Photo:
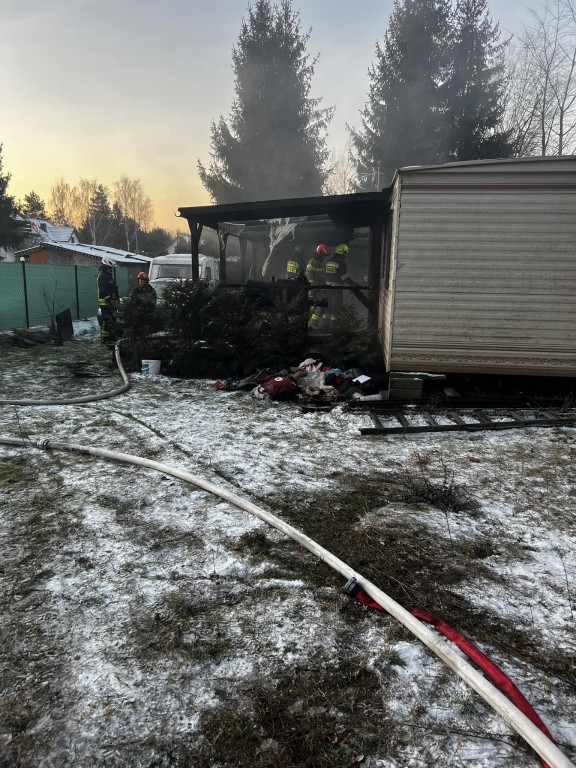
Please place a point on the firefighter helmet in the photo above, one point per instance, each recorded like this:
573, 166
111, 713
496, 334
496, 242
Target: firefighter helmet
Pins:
323, 251
106, 262
142, 276
342, 249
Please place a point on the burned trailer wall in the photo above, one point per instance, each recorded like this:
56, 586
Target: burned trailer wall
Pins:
481, 271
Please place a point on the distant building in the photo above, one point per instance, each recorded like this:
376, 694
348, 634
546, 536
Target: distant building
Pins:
36, 231
77, 254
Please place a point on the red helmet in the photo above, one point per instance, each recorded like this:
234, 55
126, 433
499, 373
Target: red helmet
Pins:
323, 251
143, 276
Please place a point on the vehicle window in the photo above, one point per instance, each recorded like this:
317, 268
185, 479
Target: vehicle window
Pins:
173, 270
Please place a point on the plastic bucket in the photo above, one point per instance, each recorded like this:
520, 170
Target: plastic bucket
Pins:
151, 367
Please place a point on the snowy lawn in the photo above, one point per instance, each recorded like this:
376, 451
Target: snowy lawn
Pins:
148, 623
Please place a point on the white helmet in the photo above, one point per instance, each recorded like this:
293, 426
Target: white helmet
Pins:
106, 262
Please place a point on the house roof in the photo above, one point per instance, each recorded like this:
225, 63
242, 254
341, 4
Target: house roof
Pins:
48, 231
97, 251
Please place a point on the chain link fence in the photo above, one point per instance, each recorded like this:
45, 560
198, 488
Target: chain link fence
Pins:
32, 294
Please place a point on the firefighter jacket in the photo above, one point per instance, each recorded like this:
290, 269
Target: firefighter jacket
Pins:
335, 269
145, 293
107, 288
315, 271
292, 268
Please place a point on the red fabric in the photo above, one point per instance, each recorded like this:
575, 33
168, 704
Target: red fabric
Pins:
494, 673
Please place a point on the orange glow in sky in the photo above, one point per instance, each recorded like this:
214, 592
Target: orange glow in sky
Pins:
102, 88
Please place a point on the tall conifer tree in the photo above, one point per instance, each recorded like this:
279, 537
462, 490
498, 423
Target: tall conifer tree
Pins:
98, 223
34, 207
475, 89
402, 123
9, 230
273, 144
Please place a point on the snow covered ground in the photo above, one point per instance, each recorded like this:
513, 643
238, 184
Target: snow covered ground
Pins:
148, 623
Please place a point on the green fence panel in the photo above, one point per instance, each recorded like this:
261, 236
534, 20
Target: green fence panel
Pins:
12, 301
87, 293
121, 276
51, 289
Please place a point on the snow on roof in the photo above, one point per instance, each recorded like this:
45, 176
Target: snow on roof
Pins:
98, 251
492, 161
48, 231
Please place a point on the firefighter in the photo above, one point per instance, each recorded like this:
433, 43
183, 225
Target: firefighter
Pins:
315, 276
335, 270
294, 263
144, 290
107, 296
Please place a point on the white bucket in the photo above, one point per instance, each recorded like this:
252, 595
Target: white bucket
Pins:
151, 367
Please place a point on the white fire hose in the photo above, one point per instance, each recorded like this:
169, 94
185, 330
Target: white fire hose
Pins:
547, 750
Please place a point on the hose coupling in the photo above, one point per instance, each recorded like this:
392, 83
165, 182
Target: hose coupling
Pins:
43, 444
351, 588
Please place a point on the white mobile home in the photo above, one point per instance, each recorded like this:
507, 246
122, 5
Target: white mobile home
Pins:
479, 268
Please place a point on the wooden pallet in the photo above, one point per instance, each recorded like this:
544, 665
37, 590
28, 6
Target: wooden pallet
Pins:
482, 422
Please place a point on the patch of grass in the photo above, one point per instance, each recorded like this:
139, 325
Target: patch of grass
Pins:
257, 542
16, 714
12, 471
177, 626
415, 566
103, 423
298, 721
391, 657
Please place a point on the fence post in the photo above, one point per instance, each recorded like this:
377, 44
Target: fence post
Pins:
77, 294
23, 261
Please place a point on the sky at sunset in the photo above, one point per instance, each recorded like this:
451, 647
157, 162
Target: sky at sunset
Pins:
101, 88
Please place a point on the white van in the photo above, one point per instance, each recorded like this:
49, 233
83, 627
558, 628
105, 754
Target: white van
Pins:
178, 266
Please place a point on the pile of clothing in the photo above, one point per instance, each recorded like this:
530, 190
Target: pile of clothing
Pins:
313, 383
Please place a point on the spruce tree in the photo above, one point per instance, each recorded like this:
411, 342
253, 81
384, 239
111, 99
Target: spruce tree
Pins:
34, 207
9, 230
273, 144
155, 242
116, 236
402, 122
98, 224
475, 88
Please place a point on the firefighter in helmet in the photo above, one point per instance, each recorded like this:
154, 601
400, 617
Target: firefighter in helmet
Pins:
294, 264
107, 297
336, 270
316, 276
144, 290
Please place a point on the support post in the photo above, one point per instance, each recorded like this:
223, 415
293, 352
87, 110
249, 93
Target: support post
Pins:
223, 241
243, 244
195, 232
375, 250
25, 293
77, 293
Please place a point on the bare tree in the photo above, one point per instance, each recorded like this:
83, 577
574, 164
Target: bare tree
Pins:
61, 201
136, 208
542, 87
342, 176
81, 197
69, 203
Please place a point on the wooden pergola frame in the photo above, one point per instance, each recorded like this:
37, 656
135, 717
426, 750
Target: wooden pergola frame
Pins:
363, 209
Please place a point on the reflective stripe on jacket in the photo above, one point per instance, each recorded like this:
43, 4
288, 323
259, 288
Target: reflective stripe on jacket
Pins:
107, 288
315, 271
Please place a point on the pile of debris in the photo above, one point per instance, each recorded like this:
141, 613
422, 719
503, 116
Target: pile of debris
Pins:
314, 384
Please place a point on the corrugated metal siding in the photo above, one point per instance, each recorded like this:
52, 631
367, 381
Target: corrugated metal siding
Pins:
485, 277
